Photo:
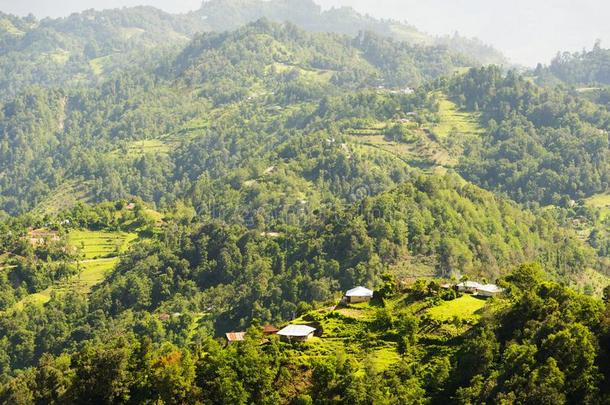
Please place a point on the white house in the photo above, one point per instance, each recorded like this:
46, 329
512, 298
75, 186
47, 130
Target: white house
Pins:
482, 290
470, 287
296, 333
489, 290
358, 294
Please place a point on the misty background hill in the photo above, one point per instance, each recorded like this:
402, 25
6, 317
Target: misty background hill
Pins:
528, 32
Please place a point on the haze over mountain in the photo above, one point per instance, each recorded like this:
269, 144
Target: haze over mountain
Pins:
526, 31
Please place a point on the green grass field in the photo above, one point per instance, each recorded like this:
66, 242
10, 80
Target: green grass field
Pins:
98, 64
93, 272
130, 32
466, 308
101, 252
384, 357
150, 146
314, 75
65, 197
601, 201
99, 244
452, 120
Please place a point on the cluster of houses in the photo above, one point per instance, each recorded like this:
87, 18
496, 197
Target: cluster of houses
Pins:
39, 237
302, 333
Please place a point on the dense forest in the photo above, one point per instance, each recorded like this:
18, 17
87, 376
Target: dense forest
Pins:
541, 344
540, 145
580, 68
84, 49
168, 179
278, 88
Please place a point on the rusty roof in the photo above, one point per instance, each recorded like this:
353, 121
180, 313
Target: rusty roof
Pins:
270, 329
235, 336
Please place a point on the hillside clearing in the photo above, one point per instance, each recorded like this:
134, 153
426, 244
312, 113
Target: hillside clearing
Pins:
466, 308
454, 121
93, 272
100, 244
354, 329
100, 251
65, 197
601, 201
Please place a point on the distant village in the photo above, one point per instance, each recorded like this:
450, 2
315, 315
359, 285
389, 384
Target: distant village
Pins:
293, 333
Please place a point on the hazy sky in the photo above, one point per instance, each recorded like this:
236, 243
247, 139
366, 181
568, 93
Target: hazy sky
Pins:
527, 31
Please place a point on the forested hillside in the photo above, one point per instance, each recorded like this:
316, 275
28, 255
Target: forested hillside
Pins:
166, 179
224, 276
277, 88
220, 15
541, 145
83, 49
541, 343
580, 68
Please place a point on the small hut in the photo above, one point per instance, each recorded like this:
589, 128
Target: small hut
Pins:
235, 336
270, 330
489, 290
296, 333
358, 294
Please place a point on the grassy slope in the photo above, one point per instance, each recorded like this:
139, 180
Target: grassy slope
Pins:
99, 244
466, 307
454, 121
314, 75
601, 201
351, 329
425, 150
64, 197
100, 251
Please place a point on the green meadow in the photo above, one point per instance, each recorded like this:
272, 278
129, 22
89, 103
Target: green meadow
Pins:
100, 250
465, 308
601, 201
452, 120
100, 244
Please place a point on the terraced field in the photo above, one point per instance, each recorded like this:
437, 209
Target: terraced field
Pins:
100, 244
352, 329
101, 251
601, 201
423, 152
454, 121
93, 272
65, 197
314, 75
146, 147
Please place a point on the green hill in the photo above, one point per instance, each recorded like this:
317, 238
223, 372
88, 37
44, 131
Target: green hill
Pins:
533, 346
161, 187
85, 48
